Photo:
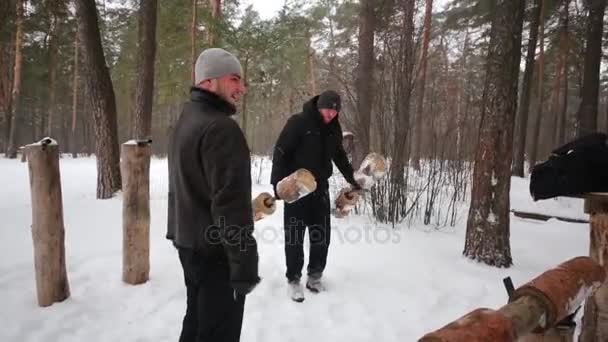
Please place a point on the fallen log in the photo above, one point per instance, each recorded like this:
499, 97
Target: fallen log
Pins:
536, 307
543, 217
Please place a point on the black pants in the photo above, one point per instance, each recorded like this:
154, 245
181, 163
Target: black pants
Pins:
311, 211
213, 313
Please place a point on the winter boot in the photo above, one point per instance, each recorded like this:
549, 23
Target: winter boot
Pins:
314, 284
295, 291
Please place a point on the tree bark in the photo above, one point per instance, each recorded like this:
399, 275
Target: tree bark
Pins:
487, 237
310, 66
48, 232
541, 90
244, 114
136, 212
52, 51
11, 151
75, 95
7, 59
145, 83
402, 93
595, 320
102, 100
587, 112
365, 79
214, 29
426, 38
524, 107
193, 29
563, 73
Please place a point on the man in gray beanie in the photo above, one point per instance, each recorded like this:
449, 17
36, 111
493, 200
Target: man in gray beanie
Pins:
210, 218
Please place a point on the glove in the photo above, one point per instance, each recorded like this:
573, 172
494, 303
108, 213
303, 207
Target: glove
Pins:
245, 287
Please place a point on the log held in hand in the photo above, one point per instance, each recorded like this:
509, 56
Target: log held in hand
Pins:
297, 185
48, 231
290, 189
263, 205
135, 170
534, 307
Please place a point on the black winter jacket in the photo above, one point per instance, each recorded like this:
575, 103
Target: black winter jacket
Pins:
210, 188
307, 142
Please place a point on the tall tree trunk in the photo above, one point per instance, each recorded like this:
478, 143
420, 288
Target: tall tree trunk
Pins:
7, 58
102, 100
214, 30
365, 79
403, 86
333, 81
11, 151
310, 66
52, 50
562, 73
75, 95
145, 82
524, 107
541, 90
587, 112
244, 108
487, 237
193, 29
426, 38
564, 109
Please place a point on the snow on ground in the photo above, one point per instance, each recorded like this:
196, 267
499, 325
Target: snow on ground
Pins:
383, 284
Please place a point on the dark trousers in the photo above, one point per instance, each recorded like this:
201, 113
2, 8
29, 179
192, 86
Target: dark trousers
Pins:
213, 313
311, 211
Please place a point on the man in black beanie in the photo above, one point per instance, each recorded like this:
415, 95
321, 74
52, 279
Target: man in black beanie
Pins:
311, 140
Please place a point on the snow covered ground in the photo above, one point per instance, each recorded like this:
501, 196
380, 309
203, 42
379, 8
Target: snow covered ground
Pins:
383, 284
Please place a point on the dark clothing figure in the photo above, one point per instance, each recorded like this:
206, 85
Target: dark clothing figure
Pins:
210, 217
308, 142
214, 312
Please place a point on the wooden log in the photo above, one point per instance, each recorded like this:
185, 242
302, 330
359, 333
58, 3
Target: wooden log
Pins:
290, 189
543, 217
345, 202
296, 185
372, 169
595, 319
263, 205
135, 169
535, 307
48, 232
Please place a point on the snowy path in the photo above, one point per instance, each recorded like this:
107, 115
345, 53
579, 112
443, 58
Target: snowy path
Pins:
383, 284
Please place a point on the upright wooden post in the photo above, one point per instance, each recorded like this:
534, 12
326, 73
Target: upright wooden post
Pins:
47, 222
135, 169
595, 319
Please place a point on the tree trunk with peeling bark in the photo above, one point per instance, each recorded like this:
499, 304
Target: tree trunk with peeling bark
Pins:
595, 320
365, 80
541, 91
587, 112
101, 98
11, 151
144, 91
214, 30
524, 107
487, 237
426, 38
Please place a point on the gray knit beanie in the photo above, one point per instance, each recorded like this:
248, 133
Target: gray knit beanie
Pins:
214, 63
